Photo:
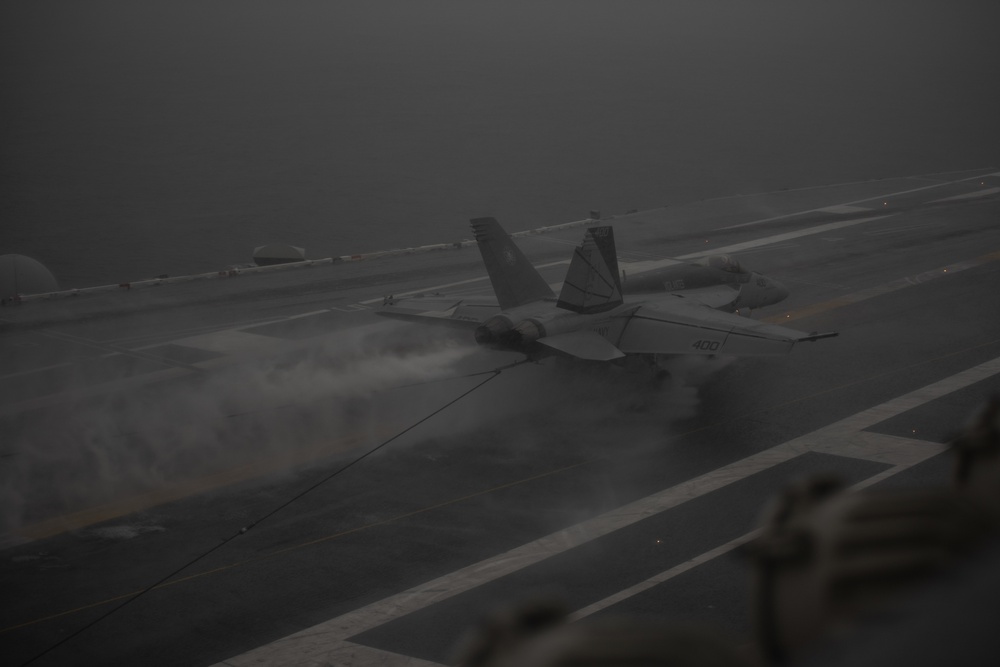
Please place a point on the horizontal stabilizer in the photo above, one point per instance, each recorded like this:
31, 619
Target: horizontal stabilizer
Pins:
818, 336
719, 297
463, 313
588, 345
676, 327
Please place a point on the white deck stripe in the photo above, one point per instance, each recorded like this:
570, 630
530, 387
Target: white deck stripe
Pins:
859, 201
639, 267
309, 314
326, 643
970, 195
41, 369
435, 288
843, 209
666, 575
913, 452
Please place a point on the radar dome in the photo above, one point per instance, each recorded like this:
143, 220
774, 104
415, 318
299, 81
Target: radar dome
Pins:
23, 275
278, 253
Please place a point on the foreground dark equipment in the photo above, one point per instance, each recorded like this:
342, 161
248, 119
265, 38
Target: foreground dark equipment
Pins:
828, 557
840, 578
538, 635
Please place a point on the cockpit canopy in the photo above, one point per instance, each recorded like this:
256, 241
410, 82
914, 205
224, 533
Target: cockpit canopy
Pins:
722, 263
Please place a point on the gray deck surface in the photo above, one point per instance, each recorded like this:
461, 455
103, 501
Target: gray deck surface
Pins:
142, 427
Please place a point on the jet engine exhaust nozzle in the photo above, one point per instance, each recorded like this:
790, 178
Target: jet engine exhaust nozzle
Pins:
493, 330
529, 330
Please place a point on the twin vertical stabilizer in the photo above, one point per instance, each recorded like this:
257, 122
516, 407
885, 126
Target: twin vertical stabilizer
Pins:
592, 284
515, 281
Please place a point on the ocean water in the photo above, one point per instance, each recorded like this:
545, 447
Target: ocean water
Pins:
139, 138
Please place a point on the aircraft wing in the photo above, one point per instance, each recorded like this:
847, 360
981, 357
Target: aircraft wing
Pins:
455, 312
716, 296
588, 345
677, 326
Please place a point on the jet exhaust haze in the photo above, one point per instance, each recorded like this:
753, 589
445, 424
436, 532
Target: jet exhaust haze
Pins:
327, 400
319, 400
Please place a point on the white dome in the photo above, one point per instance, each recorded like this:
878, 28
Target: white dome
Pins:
278, 253
23, 275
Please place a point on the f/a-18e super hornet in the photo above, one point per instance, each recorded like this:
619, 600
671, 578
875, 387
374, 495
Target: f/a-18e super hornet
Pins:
676, 310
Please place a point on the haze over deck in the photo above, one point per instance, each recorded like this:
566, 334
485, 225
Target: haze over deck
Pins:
174, 138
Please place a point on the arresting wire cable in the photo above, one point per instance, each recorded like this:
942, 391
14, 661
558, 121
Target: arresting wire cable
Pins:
491, 375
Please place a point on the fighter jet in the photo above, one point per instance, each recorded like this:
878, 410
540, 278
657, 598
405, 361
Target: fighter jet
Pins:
602, 315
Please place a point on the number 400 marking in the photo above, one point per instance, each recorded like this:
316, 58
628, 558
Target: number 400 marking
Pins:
709, 345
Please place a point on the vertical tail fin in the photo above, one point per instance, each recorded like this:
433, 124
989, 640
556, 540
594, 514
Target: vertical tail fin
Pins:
515, 281
592, 284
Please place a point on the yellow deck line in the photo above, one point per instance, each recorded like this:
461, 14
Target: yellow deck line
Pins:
878, 290
184, 489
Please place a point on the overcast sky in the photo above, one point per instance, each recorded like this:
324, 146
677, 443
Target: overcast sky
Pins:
352, 126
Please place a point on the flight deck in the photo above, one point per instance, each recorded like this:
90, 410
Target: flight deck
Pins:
144, 428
